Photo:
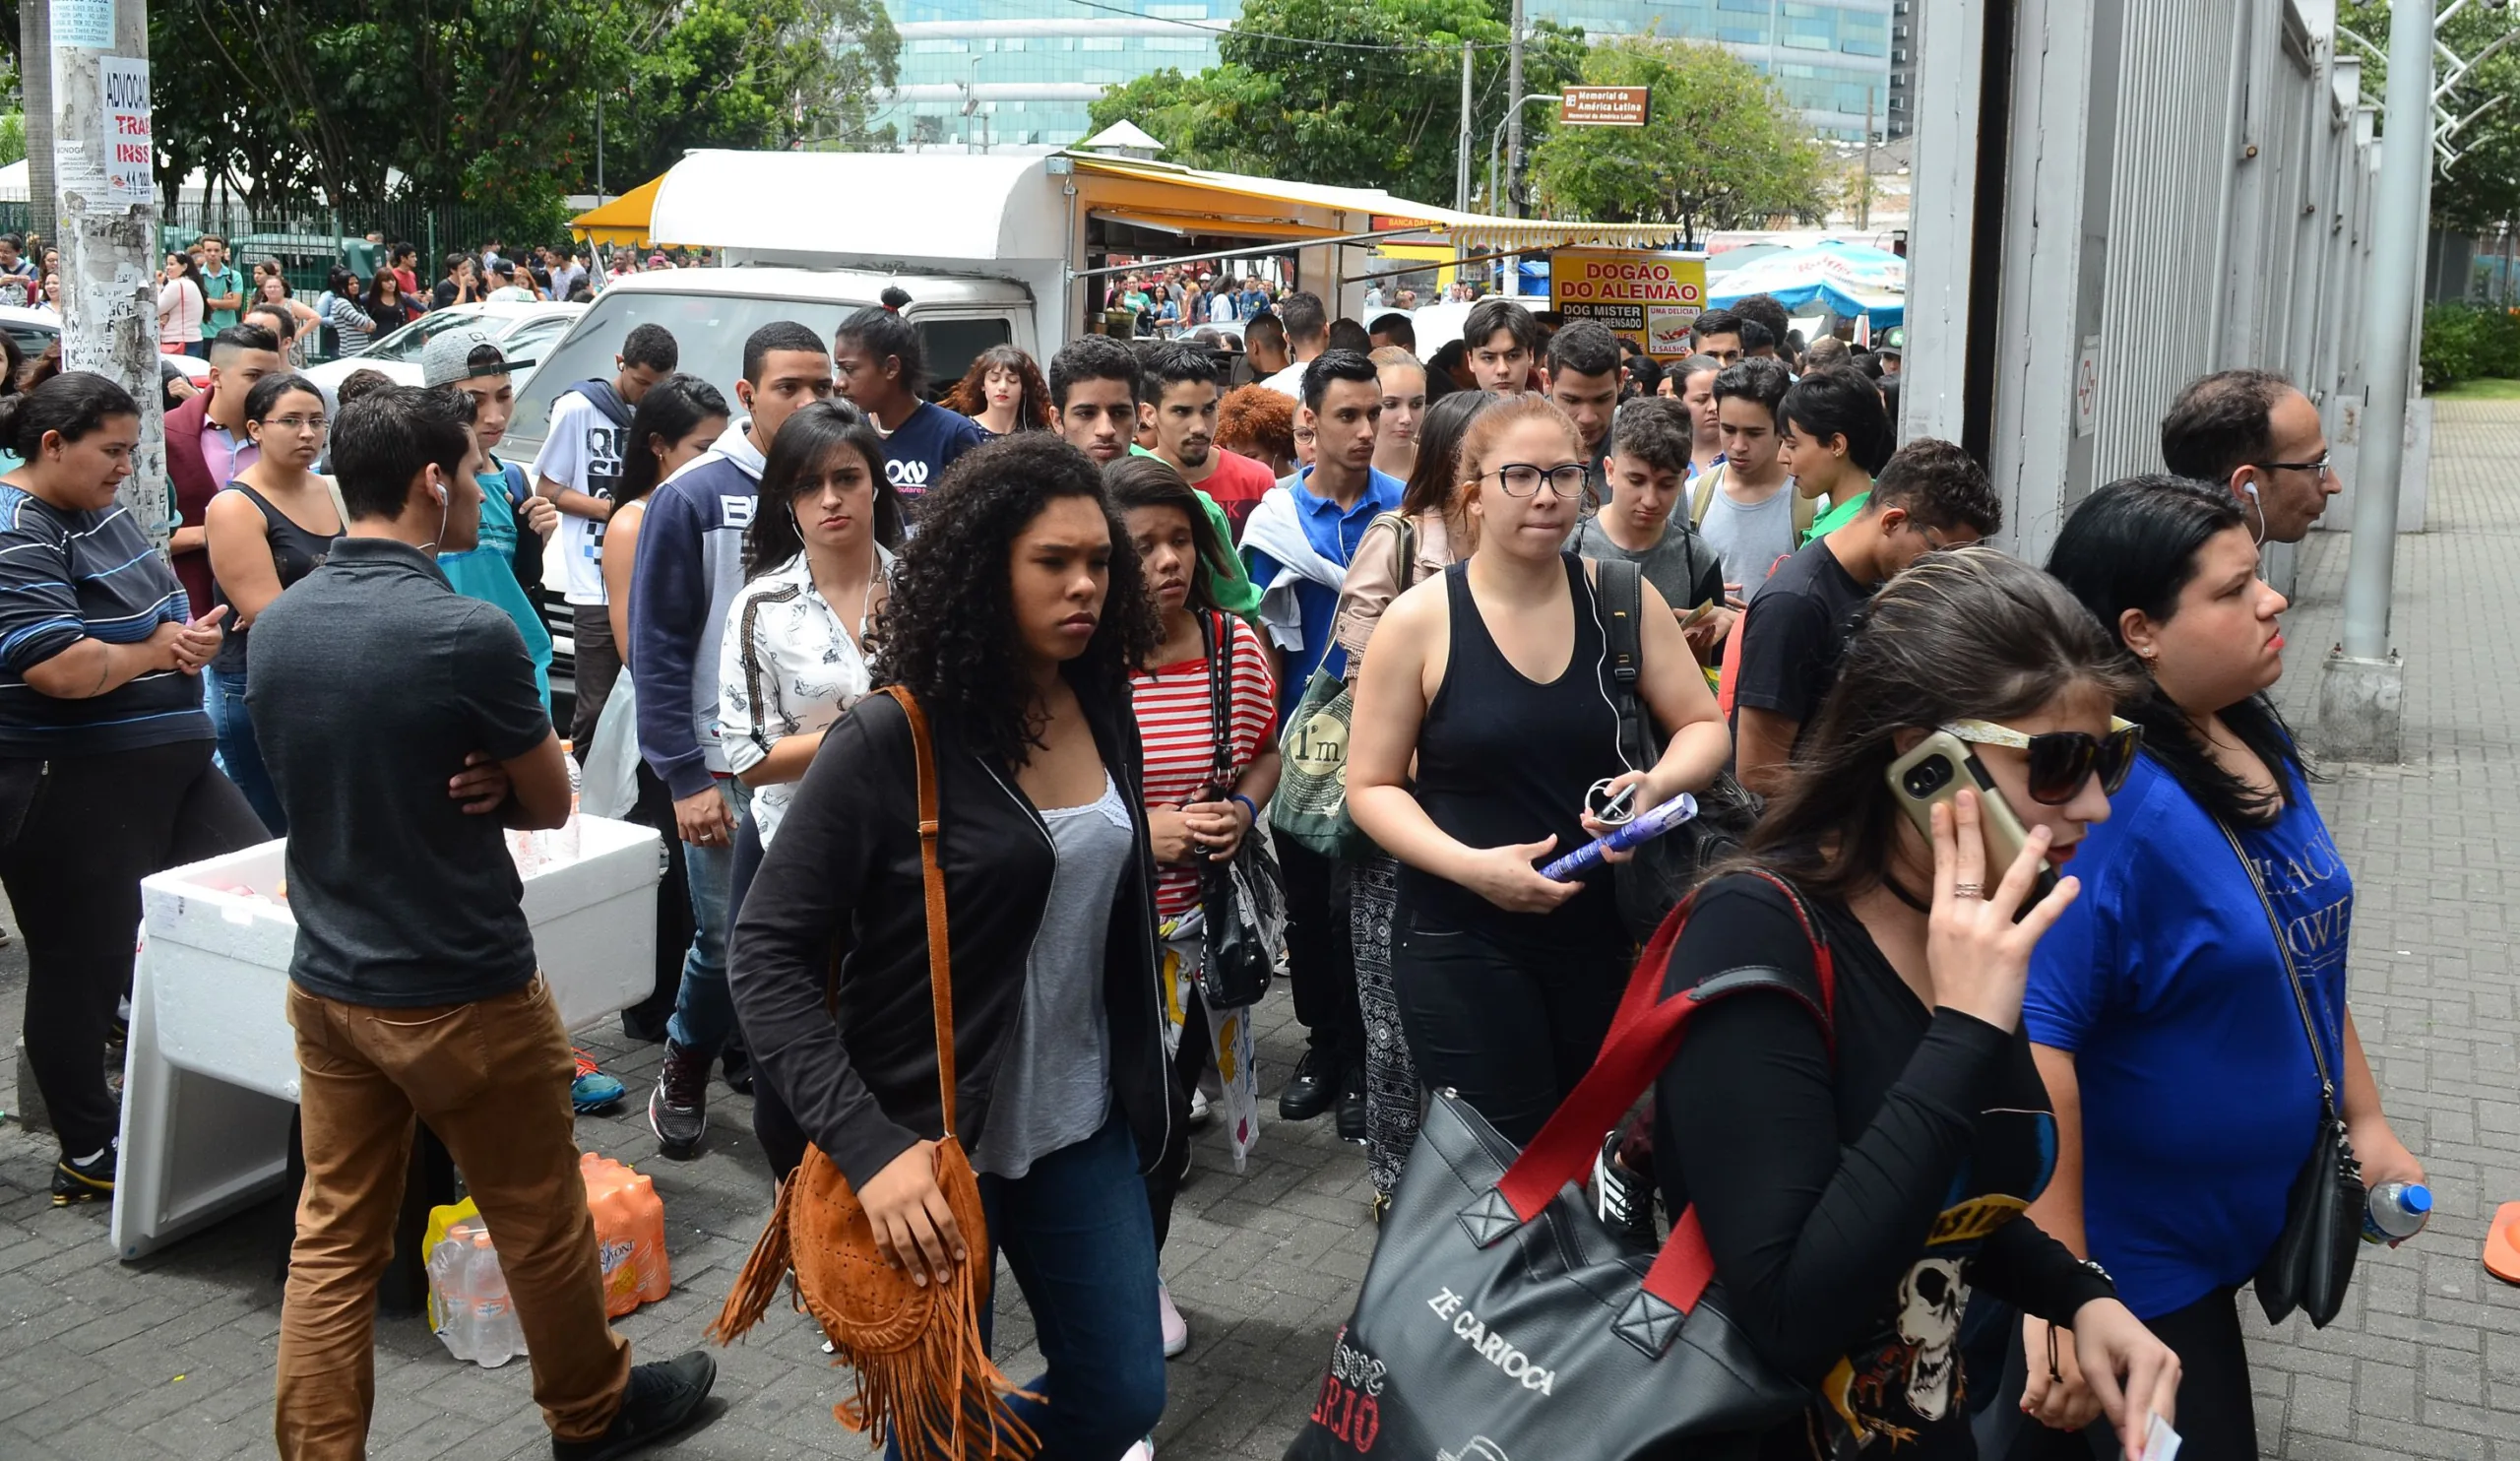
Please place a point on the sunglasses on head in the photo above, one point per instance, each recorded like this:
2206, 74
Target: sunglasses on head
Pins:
2060, 761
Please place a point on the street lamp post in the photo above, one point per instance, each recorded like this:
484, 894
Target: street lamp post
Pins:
1497, 141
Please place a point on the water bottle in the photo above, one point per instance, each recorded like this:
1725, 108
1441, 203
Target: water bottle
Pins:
2396, 1212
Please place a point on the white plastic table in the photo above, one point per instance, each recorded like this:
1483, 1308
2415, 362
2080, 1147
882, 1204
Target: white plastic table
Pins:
210, 1077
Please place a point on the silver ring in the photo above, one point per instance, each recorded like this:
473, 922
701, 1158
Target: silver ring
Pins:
1969, 890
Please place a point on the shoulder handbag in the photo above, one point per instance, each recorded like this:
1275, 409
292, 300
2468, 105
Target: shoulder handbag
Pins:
2312, 1263
1652, 882
1500, 1319
924, 1382
1310, 807
1242, 902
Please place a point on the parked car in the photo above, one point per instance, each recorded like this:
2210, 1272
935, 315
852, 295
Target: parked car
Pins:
526, 331
711, 311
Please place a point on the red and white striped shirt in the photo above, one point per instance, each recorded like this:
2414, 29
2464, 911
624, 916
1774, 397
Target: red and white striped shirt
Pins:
1181, 740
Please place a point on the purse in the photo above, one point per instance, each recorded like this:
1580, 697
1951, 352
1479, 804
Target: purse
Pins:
1242, 902
1499, 1317
2312, 1263
923, 1380
1663, 870
1310, 807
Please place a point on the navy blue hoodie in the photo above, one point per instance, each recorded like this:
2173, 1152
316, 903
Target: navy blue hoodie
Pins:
691, 562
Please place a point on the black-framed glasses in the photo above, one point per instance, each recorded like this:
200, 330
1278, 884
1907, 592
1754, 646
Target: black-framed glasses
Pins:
2060, 761
2321, 466
1523, 479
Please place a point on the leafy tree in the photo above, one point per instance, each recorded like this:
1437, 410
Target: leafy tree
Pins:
740, 74
2483, 188
1353, 93
1721, 145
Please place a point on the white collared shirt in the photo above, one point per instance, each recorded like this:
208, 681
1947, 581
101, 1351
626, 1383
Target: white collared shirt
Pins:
788, 665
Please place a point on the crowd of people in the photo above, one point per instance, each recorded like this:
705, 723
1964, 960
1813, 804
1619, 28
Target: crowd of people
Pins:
1542, 582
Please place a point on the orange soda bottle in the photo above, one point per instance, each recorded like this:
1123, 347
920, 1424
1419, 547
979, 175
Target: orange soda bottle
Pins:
629, 1233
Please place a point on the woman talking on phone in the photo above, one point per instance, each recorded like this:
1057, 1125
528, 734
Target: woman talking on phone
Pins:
1493, 677
1861, 1151
2161, 1006
1014, 619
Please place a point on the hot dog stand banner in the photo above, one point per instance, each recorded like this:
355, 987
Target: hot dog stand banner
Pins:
1652, 298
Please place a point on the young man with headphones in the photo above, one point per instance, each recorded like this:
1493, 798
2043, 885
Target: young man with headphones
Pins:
402, 729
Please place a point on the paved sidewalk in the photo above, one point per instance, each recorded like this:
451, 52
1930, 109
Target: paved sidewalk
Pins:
173, 1357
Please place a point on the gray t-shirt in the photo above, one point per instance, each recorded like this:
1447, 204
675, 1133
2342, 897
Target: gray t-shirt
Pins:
372, 682
1053, 1088
1684, 567
1751, 538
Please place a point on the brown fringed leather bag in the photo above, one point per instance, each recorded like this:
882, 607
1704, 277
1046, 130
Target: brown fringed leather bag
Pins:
923, 1379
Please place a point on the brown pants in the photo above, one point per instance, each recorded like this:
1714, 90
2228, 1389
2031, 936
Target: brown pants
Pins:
492, 1080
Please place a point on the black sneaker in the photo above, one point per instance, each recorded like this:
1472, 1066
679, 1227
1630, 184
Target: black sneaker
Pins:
84, 1181
1312, 1090
661, 1399
735, 1063
1351, 1106
1624, 1199
678, 1107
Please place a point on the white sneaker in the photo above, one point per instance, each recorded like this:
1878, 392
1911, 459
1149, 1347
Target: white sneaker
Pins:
1176, 1330
1198, 1109
1143, 1451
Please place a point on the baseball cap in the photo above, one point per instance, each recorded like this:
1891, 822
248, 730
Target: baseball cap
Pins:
448, 357
1893, 339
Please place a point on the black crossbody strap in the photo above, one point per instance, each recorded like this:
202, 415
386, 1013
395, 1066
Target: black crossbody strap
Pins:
2291, 973
1622, 592
1214, 629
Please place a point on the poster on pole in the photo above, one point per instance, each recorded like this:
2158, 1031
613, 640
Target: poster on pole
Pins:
131, 152
1652, 298
87, 24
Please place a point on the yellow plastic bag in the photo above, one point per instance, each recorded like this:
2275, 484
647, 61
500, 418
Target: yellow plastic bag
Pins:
441, 1219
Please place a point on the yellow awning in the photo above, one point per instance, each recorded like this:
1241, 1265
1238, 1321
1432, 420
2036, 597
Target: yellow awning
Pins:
1474, 233
623, 220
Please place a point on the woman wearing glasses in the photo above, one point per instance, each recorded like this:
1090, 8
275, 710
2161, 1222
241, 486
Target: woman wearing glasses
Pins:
271, 527
2161, 1006
1493, 677
1860, 1146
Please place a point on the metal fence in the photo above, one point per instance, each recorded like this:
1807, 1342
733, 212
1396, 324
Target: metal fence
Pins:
308, 239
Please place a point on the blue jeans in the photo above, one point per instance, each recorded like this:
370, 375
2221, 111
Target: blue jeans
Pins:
704, 1012
238, 751
1076, 1233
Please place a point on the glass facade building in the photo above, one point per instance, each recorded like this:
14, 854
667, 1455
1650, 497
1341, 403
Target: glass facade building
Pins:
1021, 73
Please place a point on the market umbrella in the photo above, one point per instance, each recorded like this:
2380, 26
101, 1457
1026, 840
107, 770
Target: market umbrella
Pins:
1848, 278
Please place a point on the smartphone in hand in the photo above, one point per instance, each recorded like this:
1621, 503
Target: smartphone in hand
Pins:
1939, 769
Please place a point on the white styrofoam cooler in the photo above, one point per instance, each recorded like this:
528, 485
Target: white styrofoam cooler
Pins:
211, 1075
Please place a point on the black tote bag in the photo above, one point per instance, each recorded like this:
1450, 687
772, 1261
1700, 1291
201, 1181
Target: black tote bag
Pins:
1500, 1321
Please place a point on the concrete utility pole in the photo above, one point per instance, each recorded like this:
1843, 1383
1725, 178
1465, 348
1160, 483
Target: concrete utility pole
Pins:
34, 88
1461, 161
1513, 114
104, 163
2362, 690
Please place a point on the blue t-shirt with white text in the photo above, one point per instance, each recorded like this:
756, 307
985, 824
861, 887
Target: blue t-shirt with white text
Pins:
917, 454
2200, 1100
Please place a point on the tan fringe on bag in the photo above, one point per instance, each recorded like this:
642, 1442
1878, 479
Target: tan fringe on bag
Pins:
923, 1380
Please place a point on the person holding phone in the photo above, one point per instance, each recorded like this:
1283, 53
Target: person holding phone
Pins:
1860, 1149
1492, 679
2162, 1008
105, 771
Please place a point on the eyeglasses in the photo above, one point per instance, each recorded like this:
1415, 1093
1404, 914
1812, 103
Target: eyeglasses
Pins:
2320, 466
296, 423
1523, 479
2060, 761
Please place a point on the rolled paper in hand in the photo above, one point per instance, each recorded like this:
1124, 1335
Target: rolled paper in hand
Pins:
1644, 828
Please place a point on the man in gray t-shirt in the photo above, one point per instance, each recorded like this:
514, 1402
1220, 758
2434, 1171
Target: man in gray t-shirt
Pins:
1645, 468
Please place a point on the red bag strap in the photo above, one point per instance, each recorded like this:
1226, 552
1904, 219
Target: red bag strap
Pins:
1644, 1036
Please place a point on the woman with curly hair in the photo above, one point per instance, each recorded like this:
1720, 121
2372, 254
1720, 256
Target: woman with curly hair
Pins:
1260, 423
1004, 391
1015, 619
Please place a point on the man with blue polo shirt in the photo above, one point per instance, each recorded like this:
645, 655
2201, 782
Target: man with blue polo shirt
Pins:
1297, 543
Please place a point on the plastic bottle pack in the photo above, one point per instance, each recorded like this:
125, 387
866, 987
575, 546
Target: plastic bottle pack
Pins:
475, 1316
629, 1232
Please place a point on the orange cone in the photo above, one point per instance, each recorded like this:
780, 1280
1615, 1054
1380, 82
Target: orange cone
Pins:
2503, 1243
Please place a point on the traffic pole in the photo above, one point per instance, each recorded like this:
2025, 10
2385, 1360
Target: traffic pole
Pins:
1513, 117
105, 168
1461, 159
2361, 692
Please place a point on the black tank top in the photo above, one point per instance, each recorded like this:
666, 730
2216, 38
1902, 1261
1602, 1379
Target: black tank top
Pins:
295, 553
1503, 760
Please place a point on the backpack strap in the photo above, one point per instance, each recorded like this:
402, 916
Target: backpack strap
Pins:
1704, 497
1620, 591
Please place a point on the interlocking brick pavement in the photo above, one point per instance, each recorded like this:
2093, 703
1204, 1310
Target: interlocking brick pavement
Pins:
172, 1357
